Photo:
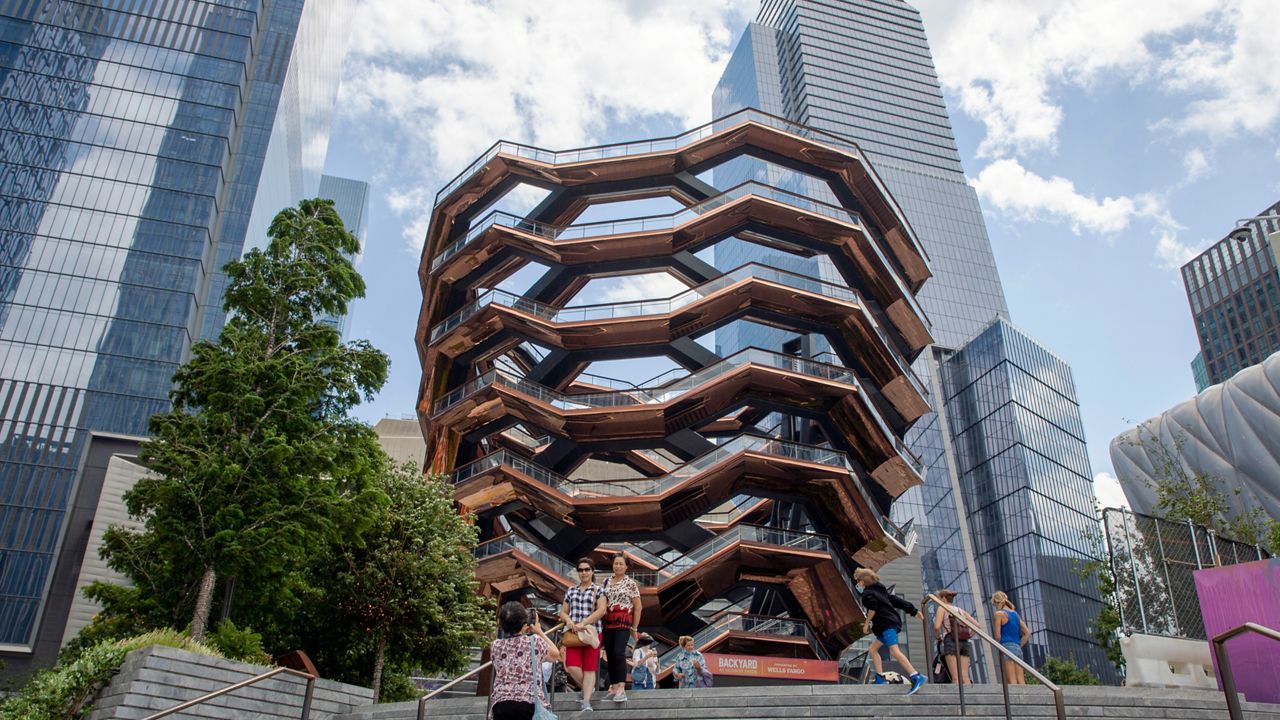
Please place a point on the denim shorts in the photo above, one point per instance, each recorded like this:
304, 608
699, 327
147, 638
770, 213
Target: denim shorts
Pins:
949, 647
888, 637
1014, 648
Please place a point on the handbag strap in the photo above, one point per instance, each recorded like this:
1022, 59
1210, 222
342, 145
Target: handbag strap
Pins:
537, 671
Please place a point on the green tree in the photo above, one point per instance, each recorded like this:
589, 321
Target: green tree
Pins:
405, 596
258, 462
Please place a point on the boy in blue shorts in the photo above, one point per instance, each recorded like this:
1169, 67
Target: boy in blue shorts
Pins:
884, 620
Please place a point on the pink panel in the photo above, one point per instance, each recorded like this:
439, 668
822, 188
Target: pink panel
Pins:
1233, 595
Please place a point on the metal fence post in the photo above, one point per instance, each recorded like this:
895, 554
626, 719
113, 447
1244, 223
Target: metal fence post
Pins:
1195, 545
1168, 583
1213, 547
1133, 568
1111, 560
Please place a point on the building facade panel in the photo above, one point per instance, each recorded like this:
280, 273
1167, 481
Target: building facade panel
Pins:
1234, 292
862, 69
129, 146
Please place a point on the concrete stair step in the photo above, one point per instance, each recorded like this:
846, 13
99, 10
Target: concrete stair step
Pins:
983, 702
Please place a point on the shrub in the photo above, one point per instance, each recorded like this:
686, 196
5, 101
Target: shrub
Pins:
1065, 671
240, 644
66, 691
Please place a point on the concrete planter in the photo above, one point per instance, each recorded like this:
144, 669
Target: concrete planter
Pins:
155, 678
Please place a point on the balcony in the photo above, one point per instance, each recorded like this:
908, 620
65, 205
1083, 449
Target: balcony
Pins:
498, 321
801, 563
829, 393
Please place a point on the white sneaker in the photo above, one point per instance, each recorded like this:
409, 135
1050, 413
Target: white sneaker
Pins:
621, 697
586, 706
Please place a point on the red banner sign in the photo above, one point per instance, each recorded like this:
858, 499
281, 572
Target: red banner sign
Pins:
771, 667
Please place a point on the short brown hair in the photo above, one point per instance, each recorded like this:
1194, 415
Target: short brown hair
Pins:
683, 639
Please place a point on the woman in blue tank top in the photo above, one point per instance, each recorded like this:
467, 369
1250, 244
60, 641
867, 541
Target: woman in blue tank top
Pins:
1012, 633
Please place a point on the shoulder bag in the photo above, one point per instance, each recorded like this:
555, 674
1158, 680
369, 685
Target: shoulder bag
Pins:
540, 711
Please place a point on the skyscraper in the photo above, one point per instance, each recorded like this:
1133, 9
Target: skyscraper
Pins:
862, 69
132, 140
351, 200
1233, 289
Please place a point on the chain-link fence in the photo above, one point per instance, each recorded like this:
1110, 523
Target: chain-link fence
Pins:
1152, 561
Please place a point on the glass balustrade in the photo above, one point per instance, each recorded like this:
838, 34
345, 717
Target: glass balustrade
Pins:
743, 622
640, 308
674, 389
655, 394
650, 223
646, 147
672, 567
651, 486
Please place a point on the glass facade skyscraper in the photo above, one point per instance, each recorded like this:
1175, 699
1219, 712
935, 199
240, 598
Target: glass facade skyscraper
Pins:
351, 200
132, 140
1233, 289
1025, 476
862, 69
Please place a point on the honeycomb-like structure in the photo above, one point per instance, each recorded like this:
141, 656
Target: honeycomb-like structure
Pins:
689, 474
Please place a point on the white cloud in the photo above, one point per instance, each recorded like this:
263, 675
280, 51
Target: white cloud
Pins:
1007, 61
1172, 252
1106, 488
1004, 58
1018, 192
1196, 163
653, 286
1233, 70
452, 77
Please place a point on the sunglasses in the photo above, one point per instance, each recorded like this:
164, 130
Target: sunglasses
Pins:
586, 569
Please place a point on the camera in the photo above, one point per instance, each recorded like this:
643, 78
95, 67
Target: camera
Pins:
532, 618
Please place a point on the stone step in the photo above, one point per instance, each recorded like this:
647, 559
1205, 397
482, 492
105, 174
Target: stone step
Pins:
859, 701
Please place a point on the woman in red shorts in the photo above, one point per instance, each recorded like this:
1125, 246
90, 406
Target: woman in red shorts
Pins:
583, 606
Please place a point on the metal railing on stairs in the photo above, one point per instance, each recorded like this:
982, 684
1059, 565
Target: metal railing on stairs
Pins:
306, 699
1224, 663
422, 701
960, 617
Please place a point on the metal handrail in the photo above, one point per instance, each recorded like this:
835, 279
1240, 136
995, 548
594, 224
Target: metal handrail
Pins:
1058, 701
1224, 662
422, 701
306, 700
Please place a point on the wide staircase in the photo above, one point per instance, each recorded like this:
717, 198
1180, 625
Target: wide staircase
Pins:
982, 702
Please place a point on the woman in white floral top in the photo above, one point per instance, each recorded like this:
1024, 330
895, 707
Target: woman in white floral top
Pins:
621, 623
514, 681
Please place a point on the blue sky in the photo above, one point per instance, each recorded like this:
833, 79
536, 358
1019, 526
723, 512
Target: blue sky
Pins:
1107, 141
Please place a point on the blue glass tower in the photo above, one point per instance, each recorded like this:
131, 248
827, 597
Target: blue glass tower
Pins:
1025, 477
351, 200
862, 69
132, 140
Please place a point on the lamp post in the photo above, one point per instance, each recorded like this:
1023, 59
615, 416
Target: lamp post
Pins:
1244, 228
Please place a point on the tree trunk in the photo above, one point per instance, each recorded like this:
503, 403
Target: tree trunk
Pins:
379, 658
204, 602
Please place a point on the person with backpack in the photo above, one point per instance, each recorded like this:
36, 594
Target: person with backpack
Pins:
954, 637
1013, 634
885, 622
644, 664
